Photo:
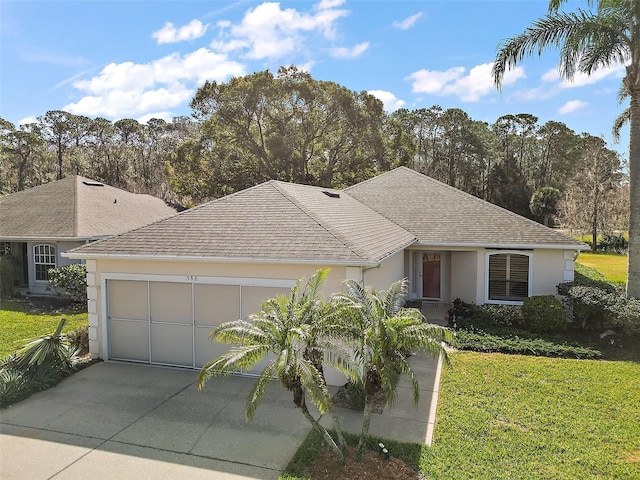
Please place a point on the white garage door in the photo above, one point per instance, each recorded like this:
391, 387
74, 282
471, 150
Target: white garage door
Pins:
168, 323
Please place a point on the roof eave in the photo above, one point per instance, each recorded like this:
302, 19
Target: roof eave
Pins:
528, 246
196, 258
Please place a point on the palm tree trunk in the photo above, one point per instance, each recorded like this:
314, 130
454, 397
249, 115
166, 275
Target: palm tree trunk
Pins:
366, 422
633, 275
336, 425
328, 439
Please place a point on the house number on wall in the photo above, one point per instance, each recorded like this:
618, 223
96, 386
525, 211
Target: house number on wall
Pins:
192, 278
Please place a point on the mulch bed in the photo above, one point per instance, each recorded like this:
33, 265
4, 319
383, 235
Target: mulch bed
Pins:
372, 467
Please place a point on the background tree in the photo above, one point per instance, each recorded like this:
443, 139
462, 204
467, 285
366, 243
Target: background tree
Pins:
592, 188
293, 127
544, 204
588, 41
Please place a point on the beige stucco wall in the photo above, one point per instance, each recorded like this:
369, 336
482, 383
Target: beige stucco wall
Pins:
390, 270
551, 267
465, 276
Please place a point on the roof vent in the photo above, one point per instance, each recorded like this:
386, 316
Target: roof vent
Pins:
331, 194
93, 184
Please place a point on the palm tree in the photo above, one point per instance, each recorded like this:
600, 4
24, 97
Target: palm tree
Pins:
588, 41
383, 333
287, 332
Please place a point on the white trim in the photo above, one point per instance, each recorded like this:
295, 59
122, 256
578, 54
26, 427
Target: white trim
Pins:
488, 253
515, 246
22, 239
192, 258
200, 279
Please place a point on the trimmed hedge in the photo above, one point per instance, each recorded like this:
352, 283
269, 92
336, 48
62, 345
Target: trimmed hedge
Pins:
543, 314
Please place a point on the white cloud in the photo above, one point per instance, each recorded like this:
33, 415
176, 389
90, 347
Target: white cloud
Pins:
468, 86
572, 106
582, 79
166, 116
133, 89
27, 120
353, 52
408, 22
170, 34
267, 31
389, 100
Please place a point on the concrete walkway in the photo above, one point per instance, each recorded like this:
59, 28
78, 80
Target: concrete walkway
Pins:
127, 421
403, 421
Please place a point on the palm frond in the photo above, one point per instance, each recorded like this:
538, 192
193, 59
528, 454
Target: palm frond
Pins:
620, 121
257, 391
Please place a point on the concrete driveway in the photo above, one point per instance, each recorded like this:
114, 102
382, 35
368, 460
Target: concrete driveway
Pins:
126, 421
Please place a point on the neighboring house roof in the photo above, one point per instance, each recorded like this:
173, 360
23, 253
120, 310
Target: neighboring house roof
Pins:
440, 215
272, 221
77, 208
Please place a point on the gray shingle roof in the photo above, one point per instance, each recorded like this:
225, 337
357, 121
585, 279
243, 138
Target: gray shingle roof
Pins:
273, 220
438, 214
77, 208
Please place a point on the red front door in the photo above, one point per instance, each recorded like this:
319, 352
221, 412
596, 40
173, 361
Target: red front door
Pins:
431, 275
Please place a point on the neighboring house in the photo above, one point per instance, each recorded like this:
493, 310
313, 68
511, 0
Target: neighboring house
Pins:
39, 224
156, 292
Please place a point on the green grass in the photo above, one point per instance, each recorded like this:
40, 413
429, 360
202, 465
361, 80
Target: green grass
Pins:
18, 326
613, 267
509, 416
536, 418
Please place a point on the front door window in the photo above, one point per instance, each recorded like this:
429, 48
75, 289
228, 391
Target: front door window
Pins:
431, 275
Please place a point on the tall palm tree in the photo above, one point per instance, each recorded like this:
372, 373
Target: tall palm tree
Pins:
287, 333
588, 41
383, 333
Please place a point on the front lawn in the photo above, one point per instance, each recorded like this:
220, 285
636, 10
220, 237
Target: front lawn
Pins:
523, 417
20, 323
613, 267
510, 416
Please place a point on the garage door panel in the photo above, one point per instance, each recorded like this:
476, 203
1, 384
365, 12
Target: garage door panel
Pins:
172, 344
170, 302
254, 297
206, 348
260, 366
128, 299
216, 304
129, 340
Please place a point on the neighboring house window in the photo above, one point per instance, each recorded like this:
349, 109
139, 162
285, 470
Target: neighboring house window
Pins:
508, 277
44, 258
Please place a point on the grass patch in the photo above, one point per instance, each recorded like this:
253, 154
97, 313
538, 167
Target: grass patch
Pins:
613, 267
19, 325
503, 417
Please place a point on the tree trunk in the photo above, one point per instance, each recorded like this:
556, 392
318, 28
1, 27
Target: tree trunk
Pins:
633, 275
366, 422
325, 435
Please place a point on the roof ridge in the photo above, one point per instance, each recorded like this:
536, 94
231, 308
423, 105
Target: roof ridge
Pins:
401, 167
292, 199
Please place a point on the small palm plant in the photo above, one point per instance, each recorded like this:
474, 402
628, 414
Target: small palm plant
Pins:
383, 333
54, 350
288, 331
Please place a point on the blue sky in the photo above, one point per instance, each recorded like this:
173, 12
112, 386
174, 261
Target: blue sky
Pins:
144, 59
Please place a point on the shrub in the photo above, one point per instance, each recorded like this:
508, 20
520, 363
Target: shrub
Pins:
480, 341
589, 305
354, 393
465, 315
6, 277
69, 281
613, 244
624, 313
543, 314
